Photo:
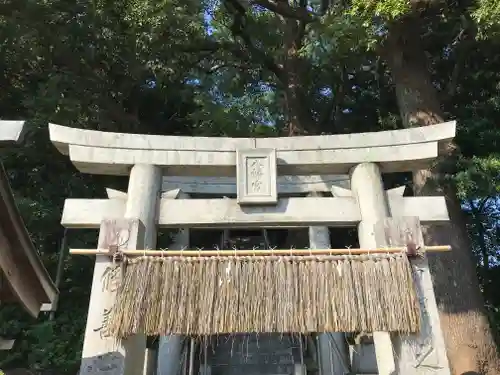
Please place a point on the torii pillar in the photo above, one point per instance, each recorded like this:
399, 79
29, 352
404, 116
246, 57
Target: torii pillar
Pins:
101, 353
421, 354
170, 347
333, 354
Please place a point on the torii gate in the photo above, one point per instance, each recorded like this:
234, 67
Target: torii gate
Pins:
164, 170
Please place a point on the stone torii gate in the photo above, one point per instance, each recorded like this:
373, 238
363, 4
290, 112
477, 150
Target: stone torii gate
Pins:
260, 179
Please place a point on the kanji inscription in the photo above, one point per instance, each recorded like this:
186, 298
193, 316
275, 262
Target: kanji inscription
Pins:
256, 175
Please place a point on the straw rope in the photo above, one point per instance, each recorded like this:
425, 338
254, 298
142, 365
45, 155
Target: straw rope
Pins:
216, 295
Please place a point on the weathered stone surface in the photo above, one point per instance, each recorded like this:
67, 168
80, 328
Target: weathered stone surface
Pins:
169, 347
226, 186
101, 353
256, 176
63, 136
216, 213
367, 188
114, 153
116, 161
363, 359
332, 346
425, 353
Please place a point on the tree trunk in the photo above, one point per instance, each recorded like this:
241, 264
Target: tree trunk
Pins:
470, 345
299, 118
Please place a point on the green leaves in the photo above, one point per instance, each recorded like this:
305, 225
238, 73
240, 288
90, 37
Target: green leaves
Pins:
487, 17
479, 177
175, 67
385, 9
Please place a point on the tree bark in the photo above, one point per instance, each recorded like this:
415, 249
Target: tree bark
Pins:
299, 118
470, 344
290, 73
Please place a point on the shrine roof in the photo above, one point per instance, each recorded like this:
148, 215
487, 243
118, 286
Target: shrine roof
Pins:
26, 279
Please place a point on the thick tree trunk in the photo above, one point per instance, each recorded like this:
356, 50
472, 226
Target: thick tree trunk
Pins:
299, 118
297, 115
470, 344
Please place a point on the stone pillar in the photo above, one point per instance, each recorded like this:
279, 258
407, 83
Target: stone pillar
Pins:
169, 355
423, 353
143, 199
170, 347
333, 356
368, 190
299, 369
101, 353
150, 362
142, 203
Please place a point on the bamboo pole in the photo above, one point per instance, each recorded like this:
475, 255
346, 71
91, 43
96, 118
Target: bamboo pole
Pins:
257, 252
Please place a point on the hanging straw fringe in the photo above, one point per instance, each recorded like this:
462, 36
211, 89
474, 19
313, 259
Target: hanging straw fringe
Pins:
301, 294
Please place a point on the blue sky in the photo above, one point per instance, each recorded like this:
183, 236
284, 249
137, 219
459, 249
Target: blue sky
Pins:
208, 18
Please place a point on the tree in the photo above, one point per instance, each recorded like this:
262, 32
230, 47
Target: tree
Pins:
240, 68
394, 27
470, 343
98, 65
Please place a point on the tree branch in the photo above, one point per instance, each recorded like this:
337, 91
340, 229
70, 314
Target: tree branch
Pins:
481, 205
332, 111
464, 39
302, 23
210, 46
285, 10
218, 67
240, 19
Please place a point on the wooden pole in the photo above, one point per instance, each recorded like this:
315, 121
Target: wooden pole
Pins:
257, 252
